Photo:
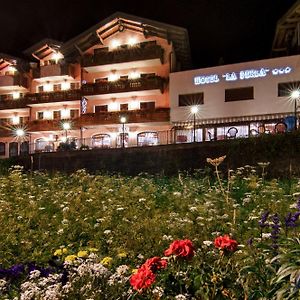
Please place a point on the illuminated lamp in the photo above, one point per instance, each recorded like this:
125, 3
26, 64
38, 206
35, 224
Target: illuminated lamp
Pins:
65, 85
115, 44
16, 95
113, 76
15, 120
132, 41
134, 75
47, 87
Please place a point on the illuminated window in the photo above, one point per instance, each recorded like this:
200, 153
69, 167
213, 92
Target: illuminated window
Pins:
147, 138
191, 99
101, 141
42, 145
238, 94
40, 89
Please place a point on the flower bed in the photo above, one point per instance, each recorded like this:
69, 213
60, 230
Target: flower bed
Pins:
149, 237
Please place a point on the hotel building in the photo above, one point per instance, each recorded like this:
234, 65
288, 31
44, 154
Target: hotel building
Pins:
107, 87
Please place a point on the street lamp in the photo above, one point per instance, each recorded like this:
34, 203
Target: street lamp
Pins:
295, 95
194, 111
66, 126
123, 121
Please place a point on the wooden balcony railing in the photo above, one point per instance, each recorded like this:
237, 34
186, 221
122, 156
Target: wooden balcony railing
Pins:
135, 116
103, 118
13, 80
143, 51
124, 85
36, 98
53, 70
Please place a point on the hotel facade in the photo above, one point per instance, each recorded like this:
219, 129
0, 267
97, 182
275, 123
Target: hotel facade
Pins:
128, 82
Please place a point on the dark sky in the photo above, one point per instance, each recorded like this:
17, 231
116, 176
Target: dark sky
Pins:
237, 30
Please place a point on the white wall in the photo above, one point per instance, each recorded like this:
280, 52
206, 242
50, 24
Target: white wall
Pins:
266, 100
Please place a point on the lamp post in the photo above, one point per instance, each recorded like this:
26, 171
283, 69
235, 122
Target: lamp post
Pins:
295, 95
123, 121
66, 126
194, 111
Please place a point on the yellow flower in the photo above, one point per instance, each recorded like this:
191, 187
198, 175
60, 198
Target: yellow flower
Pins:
106, 261
134, 271
122, 254
64, 250
82, 254
70, 258
58, 252
216, 161
93, 249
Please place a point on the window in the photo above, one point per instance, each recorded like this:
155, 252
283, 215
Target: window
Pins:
56, 87
101, 80
40, 89
285, 88
147, 75
13, 149
147, 105
147, 139
124, 106
101, 141
191, 99
24, 148
101, 108
2, 148
40, 115
56, 115
74, 113
74, 85
246, 93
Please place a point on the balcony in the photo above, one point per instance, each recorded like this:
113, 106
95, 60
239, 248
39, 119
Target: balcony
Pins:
124, 86
140, 55
135, 116
38, 98
46, 72
104, 118
10, 82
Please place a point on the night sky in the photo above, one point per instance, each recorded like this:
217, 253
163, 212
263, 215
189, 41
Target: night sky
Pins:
236, 30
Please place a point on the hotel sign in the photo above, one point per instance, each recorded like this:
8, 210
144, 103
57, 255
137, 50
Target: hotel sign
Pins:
241, 75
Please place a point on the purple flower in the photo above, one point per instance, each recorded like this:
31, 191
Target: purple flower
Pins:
275, 231
15, 271
298, 204
262, 223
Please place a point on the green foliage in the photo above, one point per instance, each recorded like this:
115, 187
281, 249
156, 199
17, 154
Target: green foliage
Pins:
142, 215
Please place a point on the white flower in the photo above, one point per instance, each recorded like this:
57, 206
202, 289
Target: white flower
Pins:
207, 243
158, 291
180, 297
266, 235
34, 274
107, 231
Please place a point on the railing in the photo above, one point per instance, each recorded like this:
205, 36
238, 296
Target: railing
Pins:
124, 85
36, 98
103, 118
53, 70
143, 51
13, 80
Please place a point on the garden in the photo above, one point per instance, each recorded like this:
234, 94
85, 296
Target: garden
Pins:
206, 235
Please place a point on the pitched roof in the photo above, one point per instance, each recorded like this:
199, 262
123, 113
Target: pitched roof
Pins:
118, 22
287, 27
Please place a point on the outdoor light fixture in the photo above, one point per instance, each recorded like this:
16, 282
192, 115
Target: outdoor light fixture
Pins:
295, 95
66, 126
20, 132
123, 121
194, 111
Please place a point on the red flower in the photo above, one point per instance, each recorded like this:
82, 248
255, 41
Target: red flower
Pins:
142, 279
226, 243
154, 264
181, 248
